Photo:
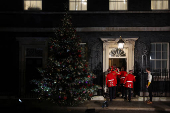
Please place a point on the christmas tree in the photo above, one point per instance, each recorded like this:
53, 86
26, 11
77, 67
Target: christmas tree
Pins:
66, 80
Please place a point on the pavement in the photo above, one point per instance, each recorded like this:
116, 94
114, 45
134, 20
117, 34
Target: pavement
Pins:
118, 104
125, 105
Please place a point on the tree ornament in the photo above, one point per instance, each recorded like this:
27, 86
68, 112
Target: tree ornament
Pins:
90, 94
58, 70
65, 97
79, 55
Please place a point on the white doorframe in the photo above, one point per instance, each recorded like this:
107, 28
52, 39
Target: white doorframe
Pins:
109, 44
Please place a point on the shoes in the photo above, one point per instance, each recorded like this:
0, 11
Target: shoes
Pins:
149, 102
129, 100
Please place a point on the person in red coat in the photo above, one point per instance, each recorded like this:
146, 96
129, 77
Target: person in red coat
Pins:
122, 78
111, 82
114, 68
129, 84
117, 74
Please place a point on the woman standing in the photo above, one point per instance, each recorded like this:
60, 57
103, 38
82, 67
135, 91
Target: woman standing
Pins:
149, 85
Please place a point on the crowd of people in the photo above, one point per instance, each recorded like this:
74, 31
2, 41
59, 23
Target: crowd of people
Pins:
123, 81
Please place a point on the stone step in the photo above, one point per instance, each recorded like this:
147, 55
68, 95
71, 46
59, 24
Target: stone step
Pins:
101, 98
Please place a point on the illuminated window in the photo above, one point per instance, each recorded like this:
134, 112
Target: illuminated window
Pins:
159, 4
117, 4
32, 4
77, 5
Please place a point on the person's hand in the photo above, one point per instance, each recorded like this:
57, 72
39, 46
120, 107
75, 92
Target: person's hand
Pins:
146, 86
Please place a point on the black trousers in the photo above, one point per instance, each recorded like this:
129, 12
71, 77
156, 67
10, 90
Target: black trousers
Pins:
150, 92
112, 92
122, 90
129, 93
118, 86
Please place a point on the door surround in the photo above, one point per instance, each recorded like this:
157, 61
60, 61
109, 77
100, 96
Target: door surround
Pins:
110, 44
30, 42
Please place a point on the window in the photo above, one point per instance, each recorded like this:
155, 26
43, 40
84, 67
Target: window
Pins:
34, 52
159, 57
32, 4
117, 4
159, 4
78, 5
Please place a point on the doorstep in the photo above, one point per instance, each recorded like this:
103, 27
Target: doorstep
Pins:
101, 98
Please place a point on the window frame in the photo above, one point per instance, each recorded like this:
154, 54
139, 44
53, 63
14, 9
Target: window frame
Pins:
36, 7
75, 5
161, 58
119, 1
160, 9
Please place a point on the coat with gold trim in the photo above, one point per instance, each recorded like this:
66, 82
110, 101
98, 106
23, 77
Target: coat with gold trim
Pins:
122, 76
116, 74
111, 80
129, 81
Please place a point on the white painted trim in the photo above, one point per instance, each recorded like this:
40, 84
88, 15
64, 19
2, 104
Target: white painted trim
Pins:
161, 56
109, 43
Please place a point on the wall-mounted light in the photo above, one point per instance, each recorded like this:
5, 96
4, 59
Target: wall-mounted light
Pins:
120, 43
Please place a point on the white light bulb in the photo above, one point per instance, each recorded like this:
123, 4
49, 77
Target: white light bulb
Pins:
20, 100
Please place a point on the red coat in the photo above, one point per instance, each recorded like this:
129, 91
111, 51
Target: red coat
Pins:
122, 76
118, 74
111, 80
114, 73
129, 81
114, 68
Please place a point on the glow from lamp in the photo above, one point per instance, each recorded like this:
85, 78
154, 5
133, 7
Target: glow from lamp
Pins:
120, 43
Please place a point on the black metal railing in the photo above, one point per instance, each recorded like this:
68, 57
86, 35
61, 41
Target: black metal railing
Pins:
160, 82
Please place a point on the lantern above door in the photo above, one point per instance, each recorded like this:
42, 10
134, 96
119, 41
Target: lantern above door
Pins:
120, 43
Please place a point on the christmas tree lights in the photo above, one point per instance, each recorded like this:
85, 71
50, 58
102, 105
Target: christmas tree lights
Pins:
66, 80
